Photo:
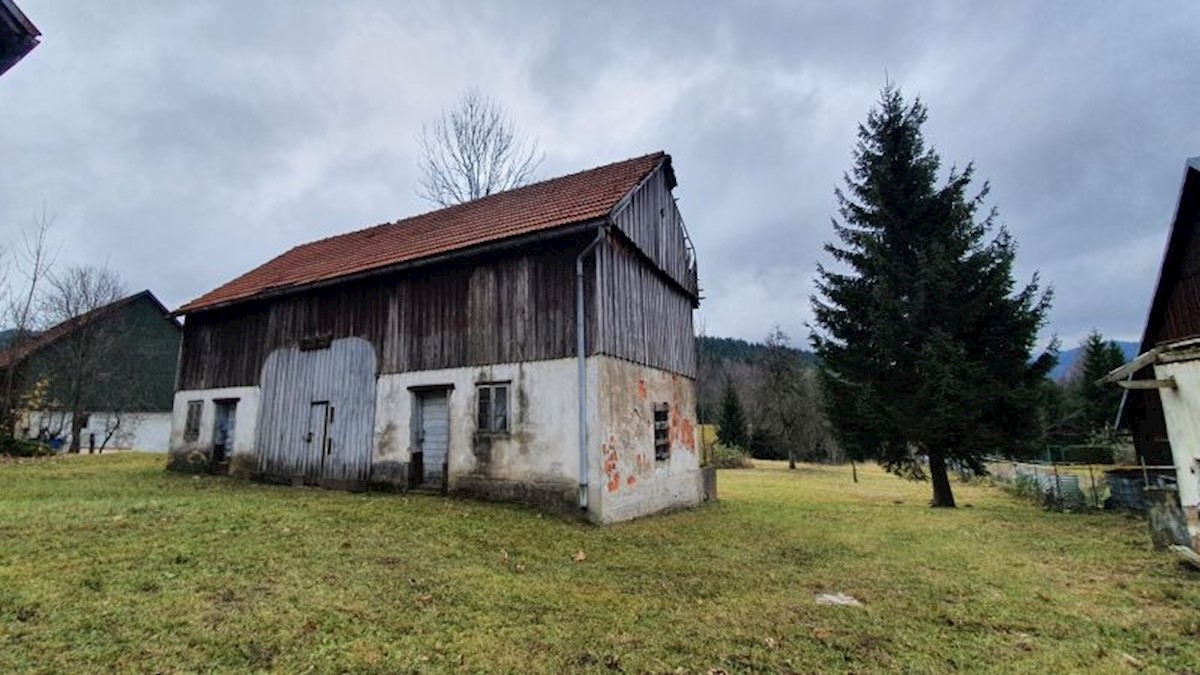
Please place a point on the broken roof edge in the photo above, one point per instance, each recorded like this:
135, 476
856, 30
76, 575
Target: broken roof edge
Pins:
663, 161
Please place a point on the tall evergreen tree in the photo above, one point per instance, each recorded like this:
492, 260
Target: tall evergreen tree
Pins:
731, 428
924, 344
1098, 403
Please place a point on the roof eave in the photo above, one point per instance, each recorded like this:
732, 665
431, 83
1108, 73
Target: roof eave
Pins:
479, 249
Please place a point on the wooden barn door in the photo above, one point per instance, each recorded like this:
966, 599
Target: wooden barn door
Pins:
433, 439
317, 438
317, 417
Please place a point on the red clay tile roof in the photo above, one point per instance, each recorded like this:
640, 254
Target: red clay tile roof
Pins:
576, 198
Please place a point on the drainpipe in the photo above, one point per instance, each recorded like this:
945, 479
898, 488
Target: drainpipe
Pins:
581, 359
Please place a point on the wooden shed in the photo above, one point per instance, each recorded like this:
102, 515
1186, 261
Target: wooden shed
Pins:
1174, 315
535, 345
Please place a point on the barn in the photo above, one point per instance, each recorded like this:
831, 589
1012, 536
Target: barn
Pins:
114, 365
535, 345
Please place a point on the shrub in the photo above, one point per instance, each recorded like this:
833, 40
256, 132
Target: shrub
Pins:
20, 447
725, 457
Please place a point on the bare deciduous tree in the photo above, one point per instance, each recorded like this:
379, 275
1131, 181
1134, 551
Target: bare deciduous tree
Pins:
32, 259
790, 401
81, 358
473, 151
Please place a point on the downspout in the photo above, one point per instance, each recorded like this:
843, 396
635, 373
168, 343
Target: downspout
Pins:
581, 359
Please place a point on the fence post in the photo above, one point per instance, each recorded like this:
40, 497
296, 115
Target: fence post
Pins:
1057, 486
1095, 495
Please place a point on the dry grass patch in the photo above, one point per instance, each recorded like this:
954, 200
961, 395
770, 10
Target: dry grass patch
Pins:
110, 563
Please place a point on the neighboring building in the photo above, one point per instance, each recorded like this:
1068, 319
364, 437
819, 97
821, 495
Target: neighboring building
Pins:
1162, 399
125, 373
18, 35
1174, 315
442, 352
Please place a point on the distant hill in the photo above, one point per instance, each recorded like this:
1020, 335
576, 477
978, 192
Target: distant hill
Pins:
735, 350
1067, 358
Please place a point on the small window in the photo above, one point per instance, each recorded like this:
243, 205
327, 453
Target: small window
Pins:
662, 432
492, 414
191, 430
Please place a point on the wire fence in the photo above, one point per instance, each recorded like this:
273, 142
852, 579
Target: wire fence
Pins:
1082, 486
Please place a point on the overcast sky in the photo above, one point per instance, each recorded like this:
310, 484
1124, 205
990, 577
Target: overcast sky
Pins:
184, 143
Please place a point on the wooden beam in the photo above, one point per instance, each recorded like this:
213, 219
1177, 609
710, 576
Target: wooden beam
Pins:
1168, 383
1187, 555
1130, 368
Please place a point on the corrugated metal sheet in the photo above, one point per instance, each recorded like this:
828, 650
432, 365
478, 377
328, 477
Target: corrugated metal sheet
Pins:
553, 203
343, 376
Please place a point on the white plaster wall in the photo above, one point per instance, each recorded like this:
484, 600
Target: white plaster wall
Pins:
1181, 409
542, 443
150, 431
629, 481
245, 424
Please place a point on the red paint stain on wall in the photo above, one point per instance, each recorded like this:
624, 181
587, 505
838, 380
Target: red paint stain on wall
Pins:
631, 481
642, 389
683, 432
610, 468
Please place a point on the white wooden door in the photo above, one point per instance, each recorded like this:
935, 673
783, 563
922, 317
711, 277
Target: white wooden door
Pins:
433, 437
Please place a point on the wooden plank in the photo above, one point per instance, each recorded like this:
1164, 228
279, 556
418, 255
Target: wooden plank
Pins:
1168, 383
1186, 554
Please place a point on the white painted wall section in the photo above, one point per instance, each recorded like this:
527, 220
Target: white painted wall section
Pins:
630, 481
540, 447
1181, 410
147, 431
245, 424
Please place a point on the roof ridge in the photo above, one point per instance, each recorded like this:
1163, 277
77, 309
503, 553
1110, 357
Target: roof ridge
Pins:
478, 200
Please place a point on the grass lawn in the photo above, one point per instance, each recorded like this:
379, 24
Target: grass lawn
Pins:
109, 563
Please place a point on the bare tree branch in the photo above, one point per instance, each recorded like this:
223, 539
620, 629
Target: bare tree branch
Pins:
32, 258
84, 354
473, 151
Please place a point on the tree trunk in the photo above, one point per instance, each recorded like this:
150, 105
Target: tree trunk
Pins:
943, 497
854, 470
791, 459
76, 431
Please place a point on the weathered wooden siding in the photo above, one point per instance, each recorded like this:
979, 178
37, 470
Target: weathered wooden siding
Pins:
500, 309
642, 317
651, 220
342, 375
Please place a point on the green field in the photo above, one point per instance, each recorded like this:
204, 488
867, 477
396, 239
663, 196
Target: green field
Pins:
108, 563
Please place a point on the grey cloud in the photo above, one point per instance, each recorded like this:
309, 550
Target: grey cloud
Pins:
186, 144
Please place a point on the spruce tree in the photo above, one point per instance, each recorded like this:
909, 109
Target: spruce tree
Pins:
1098, 403
731, 428
924, 344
